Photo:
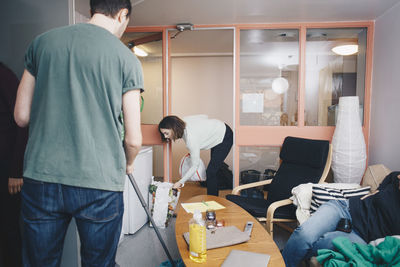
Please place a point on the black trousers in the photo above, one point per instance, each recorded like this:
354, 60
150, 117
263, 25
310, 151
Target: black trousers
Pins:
10, 241
218, 155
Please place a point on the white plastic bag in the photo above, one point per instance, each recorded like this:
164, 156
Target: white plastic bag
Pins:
185, 165
163, 202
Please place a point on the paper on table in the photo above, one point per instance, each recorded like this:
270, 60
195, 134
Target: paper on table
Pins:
202, 206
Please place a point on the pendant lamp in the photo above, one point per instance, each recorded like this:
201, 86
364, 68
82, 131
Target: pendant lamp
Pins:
280, 85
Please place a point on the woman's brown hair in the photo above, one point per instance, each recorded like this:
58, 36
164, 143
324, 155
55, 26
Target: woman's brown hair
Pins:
173, 123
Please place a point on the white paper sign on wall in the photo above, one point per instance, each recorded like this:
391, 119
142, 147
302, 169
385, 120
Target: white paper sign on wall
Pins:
253, 103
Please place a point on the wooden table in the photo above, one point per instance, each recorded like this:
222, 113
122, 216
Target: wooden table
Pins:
260, 240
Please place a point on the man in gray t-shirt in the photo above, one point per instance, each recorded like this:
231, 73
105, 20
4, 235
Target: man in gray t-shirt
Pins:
77, 81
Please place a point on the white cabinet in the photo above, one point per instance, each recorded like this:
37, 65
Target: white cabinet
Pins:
134, 215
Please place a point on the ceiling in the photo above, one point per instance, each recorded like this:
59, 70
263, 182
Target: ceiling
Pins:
171, 12
273, 47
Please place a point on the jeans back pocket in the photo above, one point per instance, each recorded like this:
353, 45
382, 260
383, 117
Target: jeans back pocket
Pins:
32, 194
99, 205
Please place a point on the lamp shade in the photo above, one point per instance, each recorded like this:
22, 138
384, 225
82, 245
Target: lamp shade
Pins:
280, 85
348, 143
139, 52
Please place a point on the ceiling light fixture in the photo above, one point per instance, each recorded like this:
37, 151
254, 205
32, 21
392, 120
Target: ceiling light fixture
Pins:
280, 85
182, 27
139, 52
345, 50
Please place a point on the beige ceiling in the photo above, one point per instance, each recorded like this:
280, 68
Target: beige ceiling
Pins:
220, 42
171, 12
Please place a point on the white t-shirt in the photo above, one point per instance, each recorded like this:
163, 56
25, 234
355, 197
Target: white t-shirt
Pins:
201, 133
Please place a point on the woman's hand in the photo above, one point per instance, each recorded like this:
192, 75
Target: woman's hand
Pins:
177, 185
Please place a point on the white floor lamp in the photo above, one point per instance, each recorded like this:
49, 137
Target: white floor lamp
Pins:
348, 143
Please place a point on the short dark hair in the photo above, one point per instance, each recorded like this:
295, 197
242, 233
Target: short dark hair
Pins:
173, 123
109, 7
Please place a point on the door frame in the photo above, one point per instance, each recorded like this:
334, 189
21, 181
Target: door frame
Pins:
168, 88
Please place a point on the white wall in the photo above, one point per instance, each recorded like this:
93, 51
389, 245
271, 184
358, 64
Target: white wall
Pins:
21, 21
201, 85
153, 92
385, 123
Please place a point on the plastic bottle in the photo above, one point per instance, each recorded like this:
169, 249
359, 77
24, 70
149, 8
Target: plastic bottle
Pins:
197, 238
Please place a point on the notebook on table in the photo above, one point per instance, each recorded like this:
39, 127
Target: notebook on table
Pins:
240, 258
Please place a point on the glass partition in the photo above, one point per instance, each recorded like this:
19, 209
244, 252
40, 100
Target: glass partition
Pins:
335, 67
258, 161
148, 48
269, 61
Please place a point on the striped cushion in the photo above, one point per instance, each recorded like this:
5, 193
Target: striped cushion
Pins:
320, 195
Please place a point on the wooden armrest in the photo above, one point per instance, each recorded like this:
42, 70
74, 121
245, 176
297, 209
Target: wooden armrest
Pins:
237, 189
275, 205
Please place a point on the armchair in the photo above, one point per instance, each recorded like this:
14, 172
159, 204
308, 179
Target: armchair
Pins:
302, 161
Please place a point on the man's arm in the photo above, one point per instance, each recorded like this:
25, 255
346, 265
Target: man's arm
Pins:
8, 93
133, 132
22, 110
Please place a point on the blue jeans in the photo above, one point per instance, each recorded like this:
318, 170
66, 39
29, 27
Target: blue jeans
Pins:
47, 209
318, 232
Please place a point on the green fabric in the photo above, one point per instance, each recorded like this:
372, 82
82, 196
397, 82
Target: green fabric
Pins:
386, 253
75, 131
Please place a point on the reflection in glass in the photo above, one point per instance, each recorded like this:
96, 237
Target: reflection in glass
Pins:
149, 43
330, 75
269, 62
158, 161
259, 160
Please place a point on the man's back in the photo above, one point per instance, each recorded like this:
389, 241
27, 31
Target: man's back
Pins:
81, 73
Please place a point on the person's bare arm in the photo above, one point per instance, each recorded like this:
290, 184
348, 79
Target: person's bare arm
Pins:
22, 110
133, 132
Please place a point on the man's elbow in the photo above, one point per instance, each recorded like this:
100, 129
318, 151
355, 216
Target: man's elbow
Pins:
133, 143
21, 119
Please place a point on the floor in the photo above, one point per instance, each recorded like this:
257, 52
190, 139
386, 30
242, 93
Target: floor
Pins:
143, 249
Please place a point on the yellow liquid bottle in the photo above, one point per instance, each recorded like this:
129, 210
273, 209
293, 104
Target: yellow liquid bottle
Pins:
197, 238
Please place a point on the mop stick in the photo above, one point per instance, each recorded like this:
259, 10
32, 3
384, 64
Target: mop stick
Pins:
142, 201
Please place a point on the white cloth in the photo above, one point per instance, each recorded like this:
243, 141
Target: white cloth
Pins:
201, 133
301, 197
380, 240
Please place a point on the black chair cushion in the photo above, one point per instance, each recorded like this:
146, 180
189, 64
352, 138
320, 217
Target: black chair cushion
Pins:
302, 151
255, 206
289, 176
258, 207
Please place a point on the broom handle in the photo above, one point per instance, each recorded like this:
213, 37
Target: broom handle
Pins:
143, 202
